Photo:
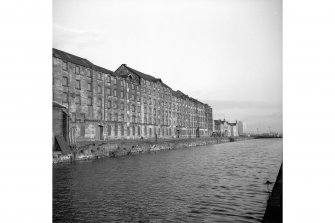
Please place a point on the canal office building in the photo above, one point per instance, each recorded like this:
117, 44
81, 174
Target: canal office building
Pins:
99, 104
225, 128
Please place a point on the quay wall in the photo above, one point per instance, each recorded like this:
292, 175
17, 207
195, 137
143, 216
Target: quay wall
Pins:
113, 149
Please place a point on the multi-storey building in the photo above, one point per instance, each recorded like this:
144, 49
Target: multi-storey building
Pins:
100, 104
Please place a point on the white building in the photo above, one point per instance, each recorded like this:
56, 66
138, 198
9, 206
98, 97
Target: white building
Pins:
241, 128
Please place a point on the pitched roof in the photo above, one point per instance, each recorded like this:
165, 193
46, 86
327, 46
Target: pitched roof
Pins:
140, 74
79, 61
71, 58
103, 70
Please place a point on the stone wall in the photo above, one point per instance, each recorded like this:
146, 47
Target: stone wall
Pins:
96, 150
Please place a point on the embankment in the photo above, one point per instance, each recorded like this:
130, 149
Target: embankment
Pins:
100, 149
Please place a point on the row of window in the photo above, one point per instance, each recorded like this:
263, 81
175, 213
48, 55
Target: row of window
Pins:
167, 132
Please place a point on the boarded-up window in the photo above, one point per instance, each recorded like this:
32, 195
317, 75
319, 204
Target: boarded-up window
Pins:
89, 101
78, 84
115, 130
65, 97
73, 117
82, 131
82, 117
65, 81
99, 76
109, 130
78, 99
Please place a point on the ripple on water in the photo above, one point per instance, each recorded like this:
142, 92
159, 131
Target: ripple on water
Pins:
215, 183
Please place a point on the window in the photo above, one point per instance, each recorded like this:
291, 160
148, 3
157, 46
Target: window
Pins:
122, 130
99, 76
145, 131
115, 130
132, 97
133, 118
109, 130
73, 117
64, 65
108, 79
89, 86
122, 96
65, 97
115, 117
115, 93
110, 118
122, 83
108, 92
100, 115
90, 73
89, 101
122, 106
82, 131
133, 108
132, 86
77, 70
78, 84
122, 117
138, 109
115, 105
99, 89
133, 130
65, 81
114, 80
150, 133
82, 117
99, 102
128, 131
78, 99
109, 104
138, 131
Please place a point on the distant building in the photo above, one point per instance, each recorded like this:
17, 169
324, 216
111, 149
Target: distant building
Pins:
241, 128
225, 128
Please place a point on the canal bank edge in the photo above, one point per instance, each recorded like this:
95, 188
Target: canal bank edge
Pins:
101, 149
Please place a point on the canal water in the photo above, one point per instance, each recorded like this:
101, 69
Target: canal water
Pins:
213, 183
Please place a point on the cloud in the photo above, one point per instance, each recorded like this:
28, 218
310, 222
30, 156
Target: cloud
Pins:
64, 37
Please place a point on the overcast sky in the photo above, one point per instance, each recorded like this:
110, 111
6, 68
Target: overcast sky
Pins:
227, 53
